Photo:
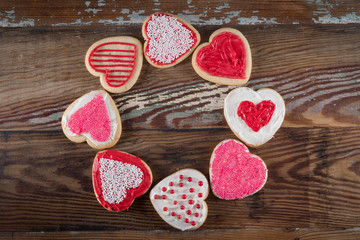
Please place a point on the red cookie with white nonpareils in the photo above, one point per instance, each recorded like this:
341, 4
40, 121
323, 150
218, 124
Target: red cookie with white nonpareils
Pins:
168, 39
225, 59
179, 199
119, 178
254, 116
117, 61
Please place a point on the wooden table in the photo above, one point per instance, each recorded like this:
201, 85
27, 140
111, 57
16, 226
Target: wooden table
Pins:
308, 51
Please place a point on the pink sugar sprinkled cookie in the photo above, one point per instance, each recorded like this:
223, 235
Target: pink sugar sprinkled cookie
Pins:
94, 118
235, 173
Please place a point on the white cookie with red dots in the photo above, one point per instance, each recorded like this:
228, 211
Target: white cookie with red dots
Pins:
179, 199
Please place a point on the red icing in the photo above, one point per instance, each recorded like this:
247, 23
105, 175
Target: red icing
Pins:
200, 194
183, 196
163, 196
156, 196
256, 117
187, 220
191, 201
198, 206
235, 173
181, 176
200, 183
118, 68
179, 216
191, 190
181, 184
165, 209
175, 202
172, 191
173, 214
171, 184
147, 45
193, 223
196, 214
164, 189
131, 194
93, 118
189, 179
188, 212
182, 207
225, 56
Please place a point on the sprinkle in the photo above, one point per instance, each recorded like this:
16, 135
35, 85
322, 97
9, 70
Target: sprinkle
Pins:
168, 38
163, 196
191, 190
191, 201
189, 179
165, 209
172, 191
116, 178
175, 202
193, 223
198, 206
186, 220
188, 212
156, 196
171, 184
182, 207
196, 214
200, 183
200, 194
179, 216
183, 196
181, 176
181, 184
173, 214
164, 189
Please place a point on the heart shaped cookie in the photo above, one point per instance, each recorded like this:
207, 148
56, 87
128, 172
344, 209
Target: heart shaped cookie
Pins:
117, 61
179, 199
254, 117
119, 178
226, 59
93, 118
168, 39
235, 173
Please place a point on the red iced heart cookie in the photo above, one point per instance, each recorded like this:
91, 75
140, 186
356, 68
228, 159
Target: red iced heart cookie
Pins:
179, 199
257, 116
234, 172
119, 178
117, 61
254, 116
93, 118
225, 60
168, 39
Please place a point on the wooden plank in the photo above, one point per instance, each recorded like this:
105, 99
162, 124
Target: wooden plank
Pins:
278, 234
315, 68
17, 13
313, 181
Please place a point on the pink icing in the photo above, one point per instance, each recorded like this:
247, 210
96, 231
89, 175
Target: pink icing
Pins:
235, 173
93, 118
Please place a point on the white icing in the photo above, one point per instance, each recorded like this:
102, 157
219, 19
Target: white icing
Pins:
168, 38
160, 203
79, 104
118, 177
238, 125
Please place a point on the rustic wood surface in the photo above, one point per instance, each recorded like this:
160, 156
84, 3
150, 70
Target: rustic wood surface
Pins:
308, 51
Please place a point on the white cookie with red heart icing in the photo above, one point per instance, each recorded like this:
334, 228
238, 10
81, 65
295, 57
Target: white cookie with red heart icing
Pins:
254, 116
168, 39
235, 173
117, 61
225, 59
93, 118
179, 199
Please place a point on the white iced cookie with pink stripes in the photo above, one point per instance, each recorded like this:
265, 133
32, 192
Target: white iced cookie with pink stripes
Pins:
179, 199
168, 39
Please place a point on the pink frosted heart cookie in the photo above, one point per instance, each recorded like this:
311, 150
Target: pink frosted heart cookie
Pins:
254, 116
225, 59
119, 178
94, 118
235, 173
117, 61
168, 39
179, 199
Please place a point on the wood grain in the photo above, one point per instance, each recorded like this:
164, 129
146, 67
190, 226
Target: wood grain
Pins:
278, 234
103, 12
314, 68
313, 181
